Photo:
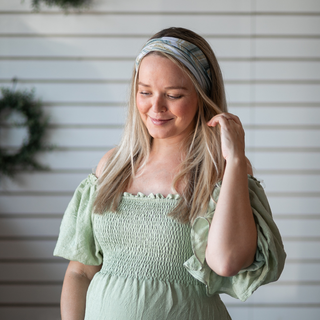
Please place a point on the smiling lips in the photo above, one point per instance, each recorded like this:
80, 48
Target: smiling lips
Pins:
159, 121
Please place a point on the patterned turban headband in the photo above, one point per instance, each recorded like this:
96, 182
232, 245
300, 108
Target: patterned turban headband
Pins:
187, 53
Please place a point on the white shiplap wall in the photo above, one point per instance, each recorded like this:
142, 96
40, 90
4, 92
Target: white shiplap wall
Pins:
80, 65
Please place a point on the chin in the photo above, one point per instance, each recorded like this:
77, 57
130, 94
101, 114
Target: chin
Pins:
159, 136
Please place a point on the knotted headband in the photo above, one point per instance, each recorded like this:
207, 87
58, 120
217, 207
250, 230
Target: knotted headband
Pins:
187, 53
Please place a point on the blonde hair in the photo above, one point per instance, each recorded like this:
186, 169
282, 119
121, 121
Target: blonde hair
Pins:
203, 164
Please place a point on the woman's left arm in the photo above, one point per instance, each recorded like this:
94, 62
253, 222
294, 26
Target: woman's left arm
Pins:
232, 239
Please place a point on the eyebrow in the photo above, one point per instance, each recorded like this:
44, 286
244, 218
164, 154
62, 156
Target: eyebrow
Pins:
172, 87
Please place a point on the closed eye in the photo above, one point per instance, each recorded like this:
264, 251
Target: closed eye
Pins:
174, 97
144, 93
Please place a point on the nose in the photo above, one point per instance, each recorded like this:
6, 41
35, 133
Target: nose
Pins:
159, 104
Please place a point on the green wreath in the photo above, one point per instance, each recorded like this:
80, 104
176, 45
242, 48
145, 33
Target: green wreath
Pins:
64, 4
23, 102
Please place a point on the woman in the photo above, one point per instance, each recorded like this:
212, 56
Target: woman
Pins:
172, 216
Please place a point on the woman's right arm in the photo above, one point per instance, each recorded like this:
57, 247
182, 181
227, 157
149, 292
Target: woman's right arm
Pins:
78, 276
74, 290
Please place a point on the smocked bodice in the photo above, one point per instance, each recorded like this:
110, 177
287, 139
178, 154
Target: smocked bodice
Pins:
141, 240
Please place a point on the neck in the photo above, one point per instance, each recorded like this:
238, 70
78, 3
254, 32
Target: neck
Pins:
166, 148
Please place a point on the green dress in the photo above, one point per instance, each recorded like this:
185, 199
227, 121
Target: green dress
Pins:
154, 267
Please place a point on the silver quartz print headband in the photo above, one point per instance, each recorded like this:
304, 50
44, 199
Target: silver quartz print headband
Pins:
187, 53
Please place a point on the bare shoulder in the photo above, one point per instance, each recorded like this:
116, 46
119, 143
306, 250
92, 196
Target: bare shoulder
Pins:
103, 162
249, 167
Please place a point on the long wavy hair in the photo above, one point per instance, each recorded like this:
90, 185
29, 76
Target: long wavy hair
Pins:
202, 165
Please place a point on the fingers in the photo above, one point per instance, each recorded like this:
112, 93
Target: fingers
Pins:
232, 134
231, 117
223, 119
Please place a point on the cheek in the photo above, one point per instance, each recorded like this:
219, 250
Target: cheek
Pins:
142, 110
194, 107
141, 105
187, 112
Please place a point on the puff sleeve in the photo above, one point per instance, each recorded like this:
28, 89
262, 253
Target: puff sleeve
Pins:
269, 258
76, 239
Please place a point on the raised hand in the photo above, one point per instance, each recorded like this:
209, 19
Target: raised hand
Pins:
232, 135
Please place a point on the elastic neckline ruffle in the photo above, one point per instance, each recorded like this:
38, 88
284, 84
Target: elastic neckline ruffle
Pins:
141, 195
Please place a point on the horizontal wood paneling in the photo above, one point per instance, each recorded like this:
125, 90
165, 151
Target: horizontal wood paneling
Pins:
295, 116
288, 6
276, 293
32, 272
302, 250
24, 294
91, 70
273, 312
299, 228
126, 47
58, 47
266, 160
84, 92
299, 272
61, 70
72, 160
291, 183
55, 182
282, 138
29, 227
284, 6
294, 93
68, 137
287, 48
36, 204
27, 249
87, 115
297, 205
34, 313
150, 6
110, 24
286, 70
287, 25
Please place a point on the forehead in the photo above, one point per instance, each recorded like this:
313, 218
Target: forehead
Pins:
156, 67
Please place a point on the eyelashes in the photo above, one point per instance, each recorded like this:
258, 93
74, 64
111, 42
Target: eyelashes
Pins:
173, 97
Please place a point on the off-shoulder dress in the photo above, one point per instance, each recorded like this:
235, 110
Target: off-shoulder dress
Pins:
154, 267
